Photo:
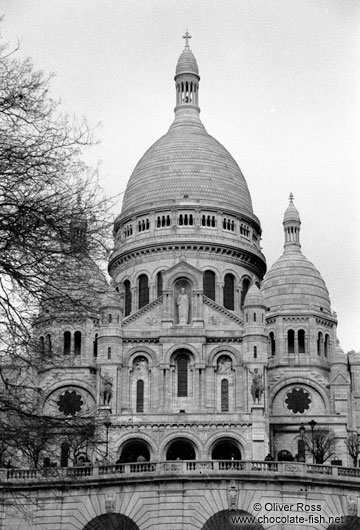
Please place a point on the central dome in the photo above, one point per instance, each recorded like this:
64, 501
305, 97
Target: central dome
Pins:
187, 163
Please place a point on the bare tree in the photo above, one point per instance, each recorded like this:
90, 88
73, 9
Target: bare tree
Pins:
352, 443
321, 444
51, 217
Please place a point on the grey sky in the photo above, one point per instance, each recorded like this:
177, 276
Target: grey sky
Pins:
280, 89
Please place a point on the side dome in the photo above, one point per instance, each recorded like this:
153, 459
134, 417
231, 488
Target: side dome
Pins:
293, 282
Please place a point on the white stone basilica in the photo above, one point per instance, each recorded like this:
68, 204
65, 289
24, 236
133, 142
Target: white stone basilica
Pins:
200, 362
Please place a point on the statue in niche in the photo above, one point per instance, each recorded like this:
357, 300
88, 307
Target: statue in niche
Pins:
106, 389
257, 386
183, 304
141, 364
224, 364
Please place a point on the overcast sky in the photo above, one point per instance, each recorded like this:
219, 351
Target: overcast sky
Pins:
280, 89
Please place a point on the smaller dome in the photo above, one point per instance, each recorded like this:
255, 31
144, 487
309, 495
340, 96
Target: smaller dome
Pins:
187, 63
109, 298
254, 297
293, 282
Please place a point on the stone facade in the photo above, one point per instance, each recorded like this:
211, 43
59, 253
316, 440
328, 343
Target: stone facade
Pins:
198, 360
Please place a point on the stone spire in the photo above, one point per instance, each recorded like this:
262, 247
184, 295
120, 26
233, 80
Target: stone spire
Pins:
292, 227
187, 78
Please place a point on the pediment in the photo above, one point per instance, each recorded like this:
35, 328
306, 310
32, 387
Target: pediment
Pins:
145, 318
182, 269
216, 316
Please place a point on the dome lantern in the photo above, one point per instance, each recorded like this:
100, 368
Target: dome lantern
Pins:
292, 227
187, 78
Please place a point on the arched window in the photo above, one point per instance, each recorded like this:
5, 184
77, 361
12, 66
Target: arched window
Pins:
229, 291
143, 290
319, 343
127, 289
182, 376
48, 345
255, 352
301, 340
291, 341
95, 345
67, 342
42, 345
224, 395
272, 343
159, 284
77, 342
140, 396
110, 318
254, 317
209, 284
244, 290
109, 353
326, 345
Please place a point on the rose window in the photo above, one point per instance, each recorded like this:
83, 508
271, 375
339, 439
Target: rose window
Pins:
70, 403
298, 400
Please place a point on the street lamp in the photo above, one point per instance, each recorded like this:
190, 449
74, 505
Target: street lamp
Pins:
302, 434
312, 424
107, 425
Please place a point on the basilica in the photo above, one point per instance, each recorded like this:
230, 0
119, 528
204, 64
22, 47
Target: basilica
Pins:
207, 369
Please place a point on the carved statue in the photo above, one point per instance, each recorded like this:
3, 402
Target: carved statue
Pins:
183, 304
224, 364
106, 389
257, 387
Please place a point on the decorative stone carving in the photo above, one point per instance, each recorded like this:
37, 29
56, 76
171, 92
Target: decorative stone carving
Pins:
106, 389
151, 320
110, 501
352, 505
183, 304
141, 365
233, 495
224, 364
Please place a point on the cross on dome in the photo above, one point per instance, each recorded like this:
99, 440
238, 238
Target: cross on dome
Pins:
291, 198
187, 36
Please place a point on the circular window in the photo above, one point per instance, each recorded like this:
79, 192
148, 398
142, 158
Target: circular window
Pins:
70, 403
298, 400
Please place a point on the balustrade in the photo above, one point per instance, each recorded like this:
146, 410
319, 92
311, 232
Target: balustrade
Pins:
181, 467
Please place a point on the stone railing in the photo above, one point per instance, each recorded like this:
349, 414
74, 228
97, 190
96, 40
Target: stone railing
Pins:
207, 468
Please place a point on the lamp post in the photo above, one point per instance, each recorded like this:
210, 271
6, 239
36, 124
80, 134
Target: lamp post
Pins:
312, 424
107, 425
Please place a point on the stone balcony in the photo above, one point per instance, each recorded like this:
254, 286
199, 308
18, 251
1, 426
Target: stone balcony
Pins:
184, 470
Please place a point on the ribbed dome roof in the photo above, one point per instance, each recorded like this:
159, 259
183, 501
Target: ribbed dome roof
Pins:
293, 282
187, 163
187, 63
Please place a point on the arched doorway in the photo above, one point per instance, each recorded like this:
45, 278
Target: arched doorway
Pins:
180, 449
226, 450
231, 520
134, 451
348, 522
111, 521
